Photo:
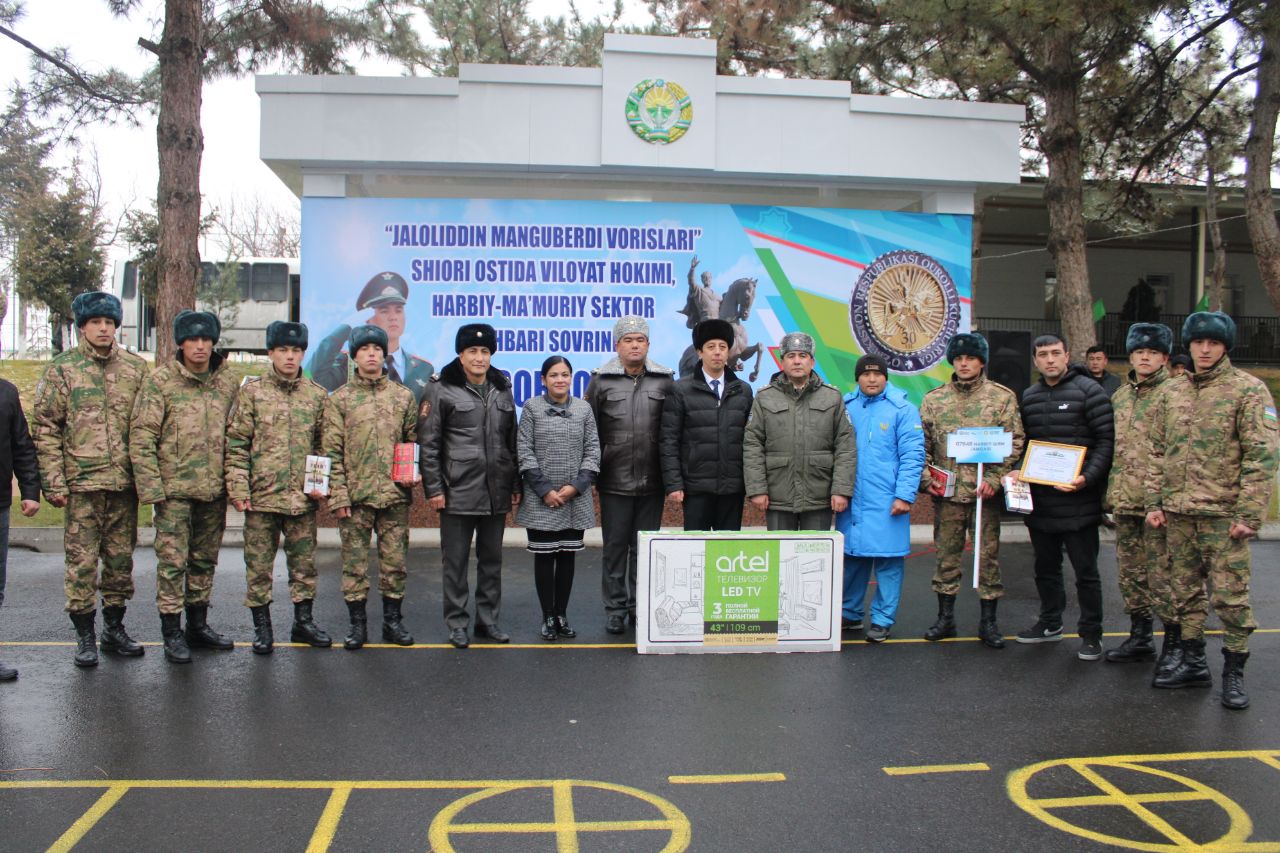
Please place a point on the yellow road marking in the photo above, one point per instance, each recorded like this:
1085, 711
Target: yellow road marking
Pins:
89, 819
327, 826
936, 768
726, 778
1239, 825
566, 828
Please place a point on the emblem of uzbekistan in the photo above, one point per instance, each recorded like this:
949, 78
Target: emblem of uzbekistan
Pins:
659, 111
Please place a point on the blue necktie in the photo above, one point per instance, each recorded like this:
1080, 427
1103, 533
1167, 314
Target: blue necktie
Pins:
715, 386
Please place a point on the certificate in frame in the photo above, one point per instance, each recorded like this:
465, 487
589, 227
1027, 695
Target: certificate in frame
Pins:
1051, 464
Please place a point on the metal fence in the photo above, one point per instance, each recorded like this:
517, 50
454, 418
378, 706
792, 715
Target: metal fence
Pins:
1257, 338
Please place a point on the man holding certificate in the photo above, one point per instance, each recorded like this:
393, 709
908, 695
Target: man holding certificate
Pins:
1070, 437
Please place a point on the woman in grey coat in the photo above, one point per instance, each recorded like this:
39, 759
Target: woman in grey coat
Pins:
559, 457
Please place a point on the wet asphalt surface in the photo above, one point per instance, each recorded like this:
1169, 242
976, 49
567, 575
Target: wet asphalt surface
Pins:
592, 710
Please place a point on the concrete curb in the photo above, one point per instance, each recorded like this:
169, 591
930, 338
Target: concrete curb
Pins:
49, 539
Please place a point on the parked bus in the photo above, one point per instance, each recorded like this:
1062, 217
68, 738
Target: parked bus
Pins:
269, 289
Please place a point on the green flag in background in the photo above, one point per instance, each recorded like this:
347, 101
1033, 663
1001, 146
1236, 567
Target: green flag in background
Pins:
1099, 311
1203, 304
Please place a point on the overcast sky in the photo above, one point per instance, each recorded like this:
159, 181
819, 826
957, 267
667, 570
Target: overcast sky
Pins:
230, 167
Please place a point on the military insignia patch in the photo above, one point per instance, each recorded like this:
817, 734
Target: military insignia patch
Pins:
425, 409
1269, 415
659, 111
905, 308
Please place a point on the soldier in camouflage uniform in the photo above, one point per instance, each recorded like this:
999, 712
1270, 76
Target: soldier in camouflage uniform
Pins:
81, 431
177, 440
970, 399
1213, 443
1142, 560
274, 427
363, 421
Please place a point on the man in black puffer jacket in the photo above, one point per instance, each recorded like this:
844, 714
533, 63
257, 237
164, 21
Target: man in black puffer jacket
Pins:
1068, 406
702, 427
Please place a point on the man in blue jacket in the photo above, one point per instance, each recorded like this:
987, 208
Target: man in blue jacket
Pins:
877, 523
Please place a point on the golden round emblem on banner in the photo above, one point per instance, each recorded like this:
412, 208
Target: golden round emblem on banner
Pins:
905, 308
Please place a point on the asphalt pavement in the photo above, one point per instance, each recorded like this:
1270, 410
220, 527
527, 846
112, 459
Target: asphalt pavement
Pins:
585, 745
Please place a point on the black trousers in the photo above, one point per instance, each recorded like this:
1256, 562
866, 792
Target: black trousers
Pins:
621, 518
704, 511
456, 533
1082, 549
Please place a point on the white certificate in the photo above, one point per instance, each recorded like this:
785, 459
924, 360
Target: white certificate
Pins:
1051, 464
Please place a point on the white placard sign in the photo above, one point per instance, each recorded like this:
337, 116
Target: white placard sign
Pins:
739, 592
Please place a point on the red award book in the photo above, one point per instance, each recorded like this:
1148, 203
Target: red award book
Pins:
405, 461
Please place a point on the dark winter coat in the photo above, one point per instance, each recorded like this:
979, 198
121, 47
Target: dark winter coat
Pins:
1075, 411
17, 450
702, 435
628, 411
468, 444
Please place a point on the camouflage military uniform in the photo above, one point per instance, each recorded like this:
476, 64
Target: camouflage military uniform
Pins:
274, 426
81, 431
976, 403
1142, 559
363, 420
176, 442
1213, 442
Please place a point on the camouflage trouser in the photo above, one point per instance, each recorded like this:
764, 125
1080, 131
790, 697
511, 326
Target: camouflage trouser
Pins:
261, 539
188, 535
952, 523
1142, 565
99, 526
392, 526
1199, 549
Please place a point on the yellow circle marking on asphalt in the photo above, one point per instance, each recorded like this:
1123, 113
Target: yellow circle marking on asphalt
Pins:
1236, 838
565, 825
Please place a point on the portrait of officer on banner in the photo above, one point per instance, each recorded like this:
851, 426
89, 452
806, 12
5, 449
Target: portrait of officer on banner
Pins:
386, 294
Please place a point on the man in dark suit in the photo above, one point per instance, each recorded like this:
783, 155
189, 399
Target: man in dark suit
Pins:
17, 459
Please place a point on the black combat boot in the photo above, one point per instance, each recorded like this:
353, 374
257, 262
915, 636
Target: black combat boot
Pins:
1170, 650
1193, 671
359, 633
305, 630
988, 630
264, 639
946, 624
548, 627
175, 642
114, 638
86, 642
393, 630
1233, 695
200, 635
1139, 646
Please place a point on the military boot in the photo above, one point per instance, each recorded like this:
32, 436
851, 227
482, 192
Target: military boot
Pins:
1140, 644
946, 624
1170, 650
359, 633
1233, 695
86, 642
988, 630
1192, 671
305, 630
264, 640
175, 642
200, 635
114, 638
393, 630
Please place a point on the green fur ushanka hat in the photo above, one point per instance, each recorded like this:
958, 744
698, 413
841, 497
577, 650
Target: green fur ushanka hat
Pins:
196, 324
367, 334
1213, 325
1155, 336
95, 303
968, 343
282, 334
